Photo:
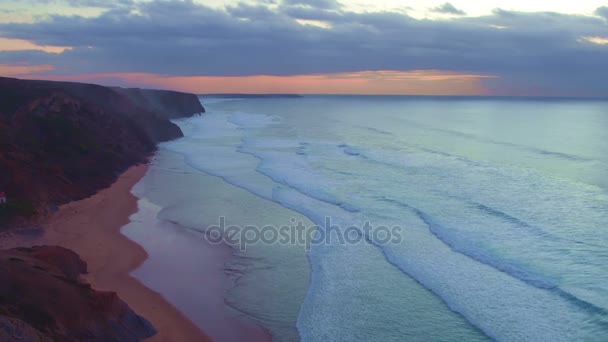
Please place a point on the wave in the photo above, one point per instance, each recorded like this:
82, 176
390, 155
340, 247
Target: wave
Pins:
350, 150
249, 120
526, 148
300, 186
375, 130
370, 157
265, 165
289, 171
434, 273
460, 245
530, 228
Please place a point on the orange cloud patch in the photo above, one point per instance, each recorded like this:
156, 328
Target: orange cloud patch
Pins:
597, 40
10, 44
416, 82
20, 70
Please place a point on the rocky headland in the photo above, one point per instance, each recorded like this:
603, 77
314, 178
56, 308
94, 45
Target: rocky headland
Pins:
62, 141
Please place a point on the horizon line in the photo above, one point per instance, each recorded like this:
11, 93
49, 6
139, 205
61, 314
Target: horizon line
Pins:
245, 94
406, 95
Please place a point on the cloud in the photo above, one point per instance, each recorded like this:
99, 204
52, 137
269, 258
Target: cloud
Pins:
448, 8
11, 70
185, 38
21, 45
602, 12
92, 3
83, 3
596, 40
420, 82
307, 13
246, 11
324, 4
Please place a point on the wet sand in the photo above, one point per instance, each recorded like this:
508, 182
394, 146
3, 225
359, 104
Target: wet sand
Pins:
165, 273
91, 227
249, 294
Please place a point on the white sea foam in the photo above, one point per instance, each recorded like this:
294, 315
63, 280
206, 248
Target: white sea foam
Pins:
481, 236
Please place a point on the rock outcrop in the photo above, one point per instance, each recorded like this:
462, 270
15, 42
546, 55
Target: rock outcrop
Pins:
62, 141
42, 298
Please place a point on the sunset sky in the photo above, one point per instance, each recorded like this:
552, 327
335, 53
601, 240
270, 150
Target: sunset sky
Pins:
463, 47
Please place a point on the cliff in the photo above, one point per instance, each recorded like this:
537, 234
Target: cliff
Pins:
43, 299
62, 141
165, 104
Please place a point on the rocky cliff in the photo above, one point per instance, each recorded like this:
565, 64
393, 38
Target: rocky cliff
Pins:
43, 299
62, 141
165, 104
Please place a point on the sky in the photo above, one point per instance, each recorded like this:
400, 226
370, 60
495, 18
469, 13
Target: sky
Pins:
462, 47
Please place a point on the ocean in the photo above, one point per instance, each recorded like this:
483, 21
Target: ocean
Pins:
431, 218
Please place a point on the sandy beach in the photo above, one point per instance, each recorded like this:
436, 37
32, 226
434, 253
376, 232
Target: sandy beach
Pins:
95, 228
91, 227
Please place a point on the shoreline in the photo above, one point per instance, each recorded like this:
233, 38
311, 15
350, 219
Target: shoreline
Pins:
182, 265
92, 228
248, 295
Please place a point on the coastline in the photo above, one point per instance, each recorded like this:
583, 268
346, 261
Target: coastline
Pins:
92, 228
194, 275
121, 126
252, 294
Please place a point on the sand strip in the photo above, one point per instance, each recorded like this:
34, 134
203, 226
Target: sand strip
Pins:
91, 227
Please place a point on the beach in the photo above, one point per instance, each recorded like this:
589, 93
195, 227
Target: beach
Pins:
231, 294
451, 238
91, 227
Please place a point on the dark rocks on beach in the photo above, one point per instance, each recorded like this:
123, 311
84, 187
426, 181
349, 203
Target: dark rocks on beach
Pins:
13, 329
42, 298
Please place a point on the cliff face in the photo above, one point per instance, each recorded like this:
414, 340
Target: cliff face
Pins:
43, 299
164, 103
63, 141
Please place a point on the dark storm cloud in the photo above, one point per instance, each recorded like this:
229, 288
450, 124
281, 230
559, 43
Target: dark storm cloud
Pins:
448, 8
184, 38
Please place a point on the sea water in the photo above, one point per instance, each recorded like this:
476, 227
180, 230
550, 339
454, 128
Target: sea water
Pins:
502, 206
